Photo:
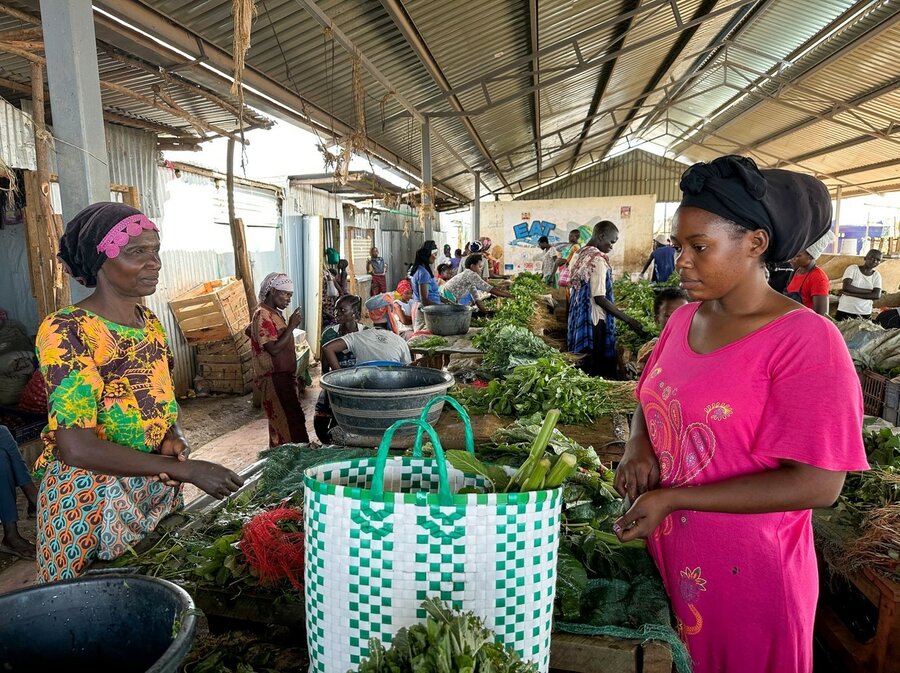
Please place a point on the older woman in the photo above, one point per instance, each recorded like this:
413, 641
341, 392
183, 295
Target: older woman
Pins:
721, 465
114, 454
275, 361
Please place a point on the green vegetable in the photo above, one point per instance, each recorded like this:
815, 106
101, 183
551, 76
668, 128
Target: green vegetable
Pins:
466, 462
429, 343
636, 299
537, 451
510, 342
535, 481
563, 468
520, 435
546, 384
448, 642
571, 583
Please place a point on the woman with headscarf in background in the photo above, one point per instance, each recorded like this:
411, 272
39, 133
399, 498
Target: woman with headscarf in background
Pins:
386, 310
275, 361
810, 285
592, 309
114, 454
729, 451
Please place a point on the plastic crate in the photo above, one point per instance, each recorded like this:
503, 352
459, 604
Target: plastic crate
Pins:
873, 387
892, 394
24, 425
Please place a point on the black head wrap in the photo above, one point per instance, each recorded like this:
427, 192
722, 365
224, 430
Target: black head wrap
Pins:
793, 208
89, 239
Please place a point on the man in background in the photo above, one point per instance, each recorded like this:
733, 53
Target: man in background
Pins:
376, 267
663, 260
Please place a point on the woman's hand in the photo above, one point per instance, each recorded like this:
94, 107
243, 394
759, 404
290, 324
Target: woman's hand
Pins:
174, 445
645, 515
638, 471
294, 321
211, 478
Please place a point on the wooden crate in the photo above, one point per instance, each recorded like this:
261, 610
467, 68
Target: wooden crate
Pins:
226, 365
880, 654
212, 311
591, 654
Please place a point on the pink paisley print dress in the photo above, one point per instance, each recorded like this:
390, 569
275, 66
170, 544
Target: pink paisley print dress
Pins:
744, 586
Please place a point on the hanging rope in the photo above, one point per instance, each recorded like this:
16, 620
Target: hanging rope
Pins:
243, 12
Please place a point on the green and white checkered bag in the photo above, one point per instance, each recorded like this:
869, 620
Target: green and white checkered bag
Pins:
383, 534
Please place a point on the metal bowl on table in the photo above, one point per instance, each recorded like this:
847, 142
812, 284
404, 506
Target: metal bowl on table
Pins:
366, 401
447, 319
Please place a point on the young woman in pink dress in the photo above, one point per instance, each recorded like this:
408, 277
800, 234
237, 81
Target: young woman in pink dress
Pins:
750, 415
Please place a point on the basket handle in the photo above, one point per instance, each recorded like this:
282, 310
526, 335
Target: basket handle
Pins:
444, 494
463, 414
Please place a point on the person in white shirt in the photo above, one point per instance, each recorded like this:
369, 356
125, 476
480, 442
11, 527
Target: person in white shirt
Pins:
862, 285
548, 259
371, 345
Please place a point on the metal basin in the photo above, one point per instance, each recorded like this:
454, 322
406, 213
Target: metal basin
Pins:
447, 319
367, 401
109, 623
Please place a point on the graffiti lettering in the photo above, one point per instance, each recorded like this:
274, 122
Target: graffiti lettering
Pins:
535, 230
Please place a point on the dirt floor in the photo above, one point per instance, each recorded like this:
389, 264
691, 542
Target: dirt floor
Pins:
204, 418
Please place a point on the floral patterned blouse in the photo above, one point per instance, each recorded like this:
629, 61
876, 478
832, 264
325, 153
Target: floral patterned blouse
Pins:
110, 377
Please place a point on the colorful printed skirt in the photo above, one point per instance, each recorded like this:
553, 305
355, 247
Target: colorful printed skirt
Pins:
84, 516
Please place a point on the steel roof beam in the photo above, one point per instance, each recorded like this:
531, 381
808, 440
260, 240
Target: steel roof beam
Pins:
407, 28
850, 15
535, 80
606, 71
674, 53
743, 18
209, 65
582, 63
890, 163
337, 34
767, 158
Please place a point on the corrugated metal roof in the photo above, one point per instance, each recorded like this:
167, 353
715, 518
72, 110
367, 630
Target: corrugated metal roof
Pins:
794, 58
139, 77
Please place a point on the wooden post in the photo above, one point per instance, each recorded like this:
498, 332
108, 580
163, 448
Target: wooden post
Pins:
242, 269
48, 224
38, 248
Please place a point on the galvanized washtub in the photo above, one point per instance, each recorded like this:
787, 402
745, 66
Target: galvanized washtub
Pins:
447, 319
366, 401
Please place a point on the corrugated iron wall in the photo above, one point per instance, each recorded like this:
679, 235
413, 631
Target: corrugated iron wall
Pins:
133, 161
197, 245
637, 172
16, 137
401, 235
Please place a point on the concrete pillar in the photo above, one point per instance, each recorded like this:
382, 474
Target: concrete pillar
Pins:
71, 49
427, 184
476, 208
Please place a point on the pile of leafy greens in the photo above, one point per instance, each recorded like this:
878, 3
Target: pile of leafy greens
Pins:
549, 383
636, 299
448, 641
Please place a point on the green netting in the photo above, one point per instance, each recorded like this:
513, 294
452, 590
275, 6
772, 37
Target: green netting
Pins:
282, 476
637, 609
